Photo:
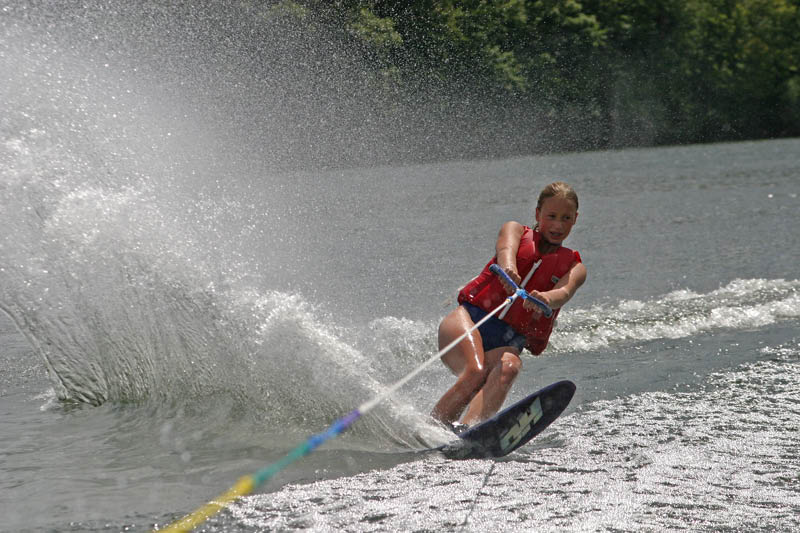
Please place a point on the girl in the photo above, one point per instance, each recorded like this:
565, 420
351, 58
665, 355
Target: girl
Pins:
487, 361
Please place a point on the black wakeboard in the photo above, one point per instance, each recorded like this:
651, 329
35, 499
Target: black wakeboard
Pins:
514, 426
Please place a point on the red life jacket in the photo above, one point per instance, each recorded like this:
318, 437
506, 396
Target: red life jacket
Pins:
486, 291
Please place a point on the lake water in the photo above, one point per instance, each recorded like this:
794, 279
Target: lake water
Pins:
175, 319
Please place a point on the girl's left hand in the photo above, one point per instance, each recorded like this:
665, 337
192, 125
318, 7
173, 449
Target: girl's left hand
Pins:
530, 306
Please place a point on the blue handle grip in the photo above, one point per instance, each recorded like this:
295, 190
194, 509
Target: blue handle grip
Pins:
521, 292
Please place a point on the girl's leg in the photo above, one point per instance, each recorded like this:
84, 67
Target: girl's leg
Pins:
503, 364
466, 360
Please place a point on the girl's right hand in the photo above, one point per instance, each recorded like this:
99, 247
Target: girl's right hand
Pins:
512, 273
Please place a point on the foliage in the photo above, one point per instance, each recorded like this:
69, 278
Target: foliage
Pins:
623, 72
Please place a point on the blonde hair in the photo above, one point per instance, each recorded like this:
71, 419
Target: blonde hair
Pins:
557, 189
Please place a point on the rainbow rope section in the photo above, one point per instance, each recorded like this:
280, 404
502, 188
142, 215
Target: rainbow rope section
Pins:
247, 484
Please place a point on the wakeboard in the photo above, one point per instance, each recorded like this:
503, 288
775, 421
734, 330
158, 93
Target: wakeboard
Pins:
514, 426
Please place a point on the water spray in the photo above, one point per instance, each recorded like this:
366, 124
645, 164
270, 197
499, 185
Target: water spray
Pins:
249, 483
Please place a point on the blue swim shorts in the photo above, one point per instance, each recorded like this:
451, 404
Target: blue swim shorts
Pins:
494, 332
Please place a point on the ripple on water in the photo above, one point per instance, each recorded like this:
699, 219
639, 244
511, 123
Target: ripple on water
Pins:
720, 458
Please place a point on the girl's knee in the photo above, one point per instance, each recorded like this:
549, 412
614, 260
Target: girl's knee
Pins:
510, 366
474, 377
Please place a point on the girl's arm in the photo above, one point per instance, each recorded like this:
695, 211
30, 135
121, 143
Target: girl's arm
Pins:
506, 251
562, 292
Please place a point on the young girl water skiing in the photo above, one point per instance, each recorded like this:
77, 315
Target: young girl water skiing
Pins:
487, 360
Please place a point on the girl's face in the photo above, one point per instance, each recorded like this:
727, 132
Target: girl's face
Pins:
556, 218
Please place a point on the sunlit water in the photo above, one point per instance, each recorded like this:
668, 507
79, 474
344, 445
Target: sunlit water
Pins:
176, 315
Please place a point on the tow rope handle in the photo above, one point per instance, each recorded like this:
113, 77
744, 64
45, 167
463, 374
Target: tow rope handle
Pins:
546, 310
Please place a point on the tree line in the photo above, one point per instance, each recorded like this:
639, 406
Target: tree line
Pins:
568, 74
